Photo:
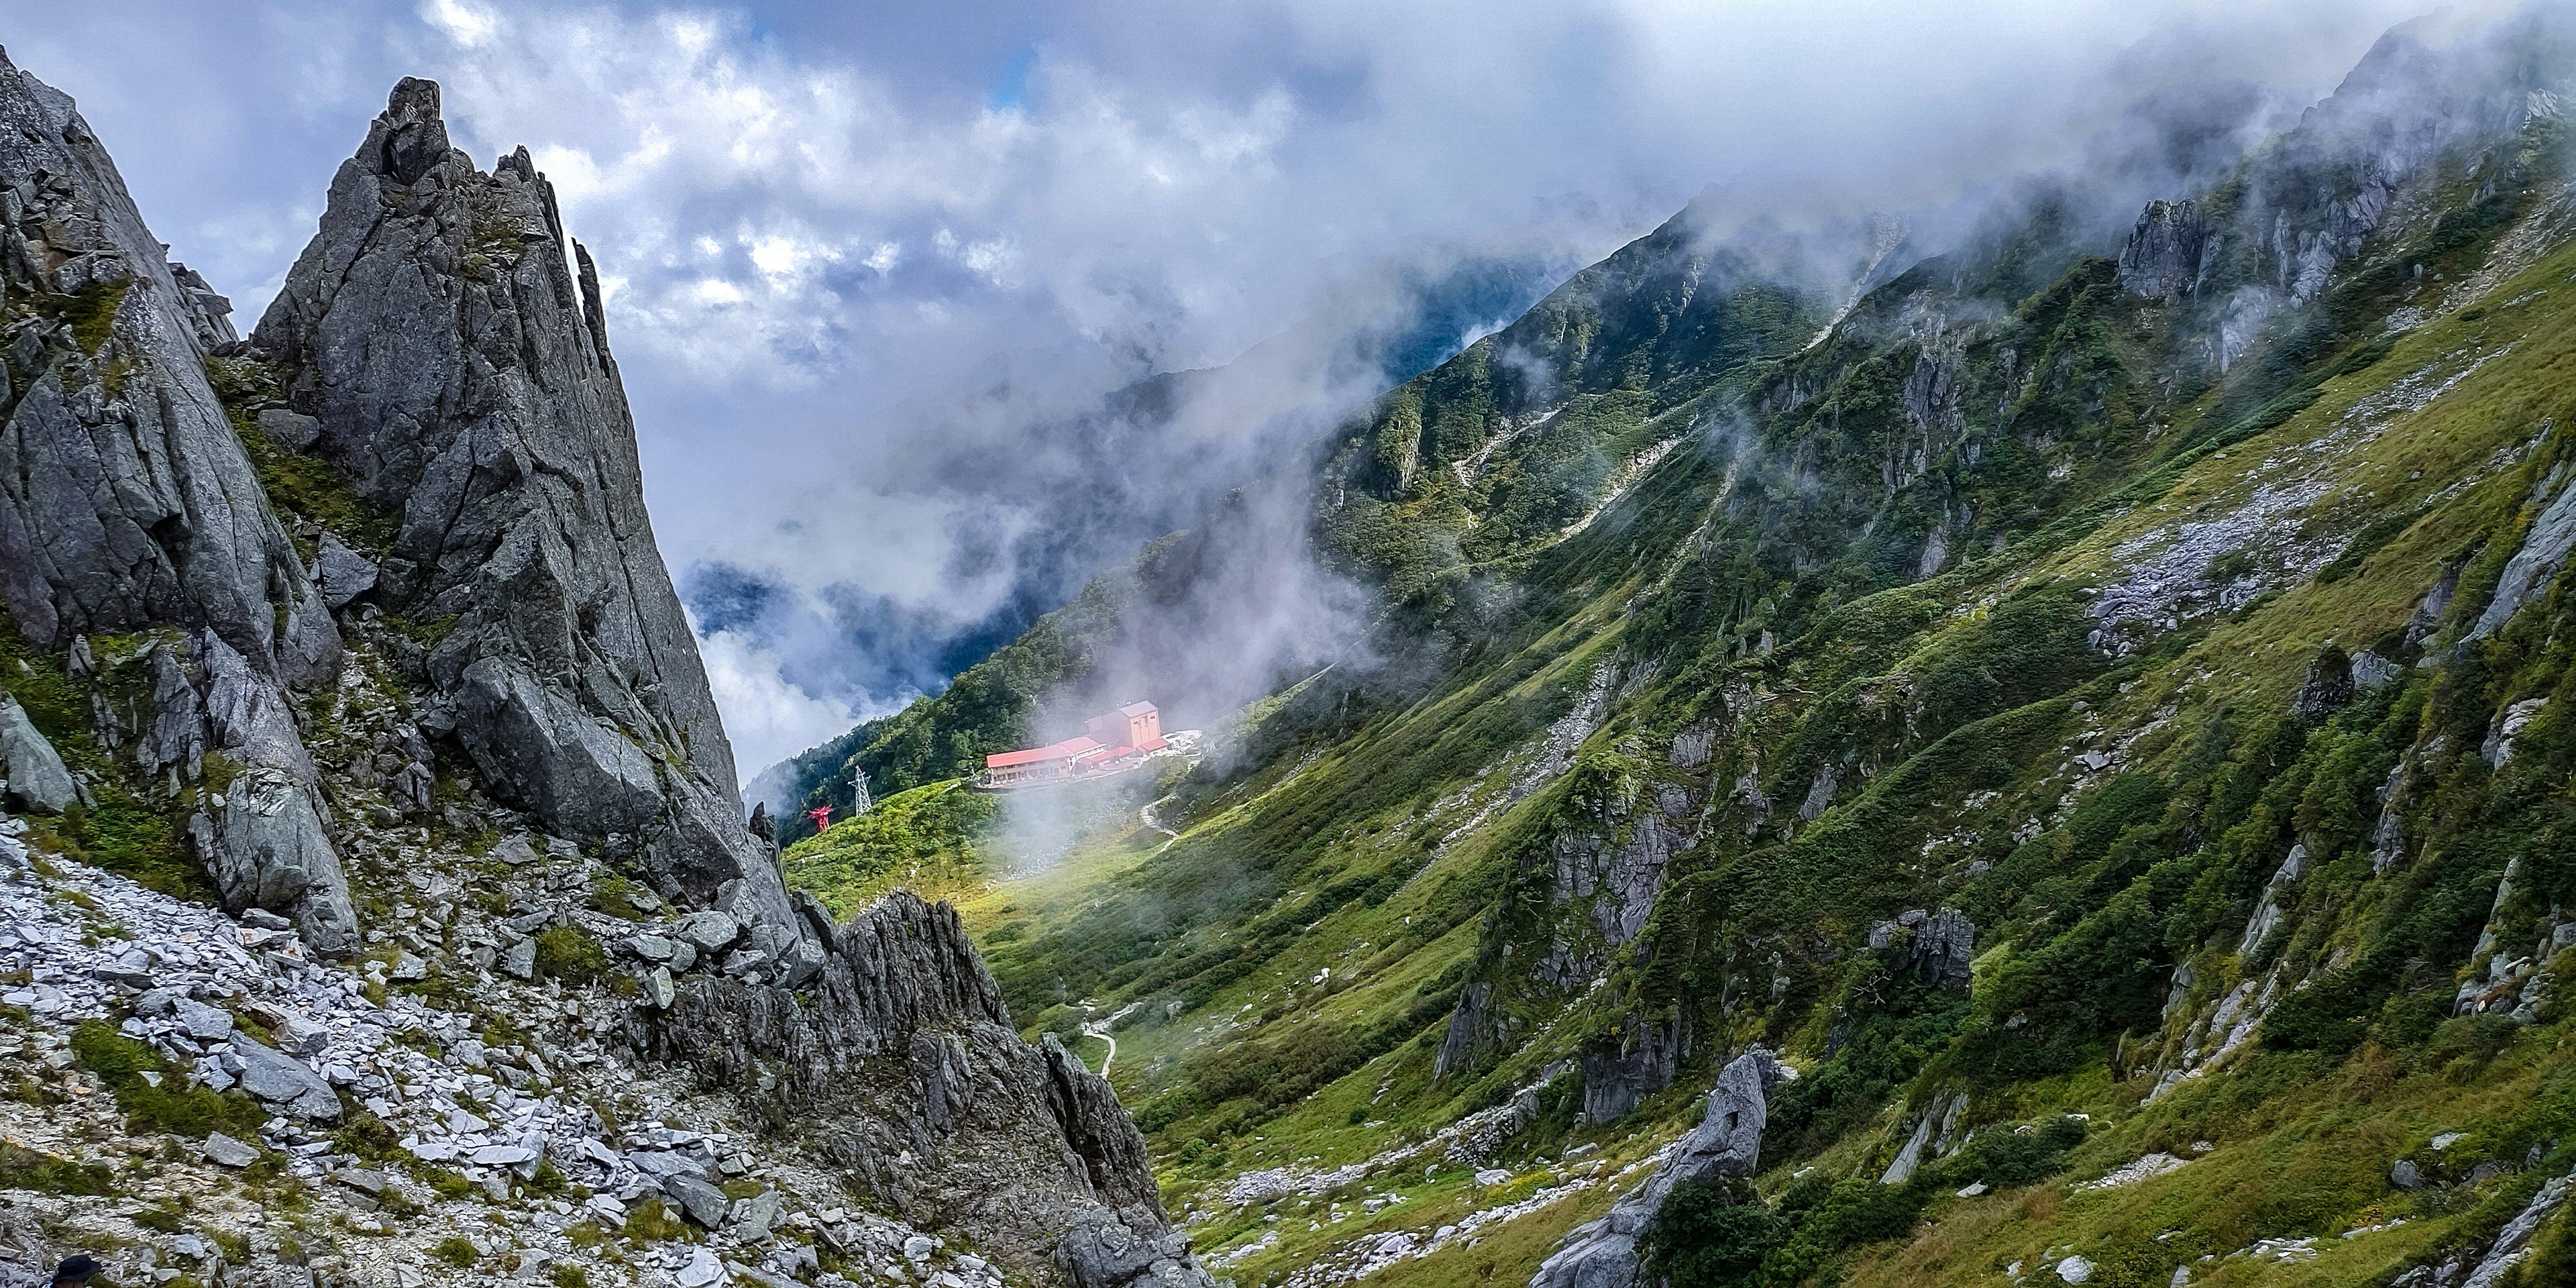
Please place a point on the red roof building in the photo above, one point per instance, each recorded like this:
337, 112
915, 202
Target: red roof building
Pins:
1131, 730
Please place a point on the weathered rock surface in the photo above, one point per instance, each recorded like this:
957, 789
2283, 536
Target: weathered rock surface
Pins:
282, 1082
2543, 551
1727, 1142
2168, 255
37, 778
1939, 945
901, 1063
1617, 1078
125, 502
460, 376
265, 847
129, 501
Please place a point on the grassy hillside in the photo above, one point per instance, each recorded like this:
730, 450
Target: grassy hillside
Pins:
2212, 670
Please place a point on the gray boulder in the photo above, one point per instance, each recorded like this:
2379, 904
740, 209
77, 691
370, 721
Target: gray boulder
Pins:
701, 1201
283, 1082
265, 847
37, 778
1727, 1142
228, 1152
1103, 1252
459, 371
290, 430
707, 931
344, 573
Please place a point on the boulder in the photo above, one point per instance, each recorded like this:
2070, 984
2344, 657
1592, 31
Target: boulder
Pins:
283, 1082
265, 847
345, 574
38, 780
701, 1201
293, 431
708, 932
228, 1152
202, 1022
752, 1217
1727, 1142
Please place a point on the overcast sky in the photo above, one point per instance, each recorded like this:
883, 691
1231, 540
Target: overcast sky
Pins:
828, 228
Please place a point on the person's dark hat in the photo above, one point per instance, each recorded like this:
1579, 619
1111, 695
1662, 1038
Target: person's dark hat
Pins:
76, 1269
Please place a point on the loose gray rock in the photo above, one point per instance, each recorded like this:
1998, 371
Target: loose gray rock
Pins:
204, 1023
229, 1152
708, 931
284, 1082
293, 431
1727, 1142
38, 780
345, 573
753, 1216
520, 961
703, 1202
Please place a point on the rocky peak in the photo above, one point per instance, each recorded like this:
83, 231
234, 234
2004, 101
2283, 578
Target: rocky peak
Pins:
457, 374
2168, 254
130, 503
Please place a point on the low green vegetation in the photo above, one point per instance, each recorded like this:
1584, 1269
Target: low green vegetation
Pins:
22, 1168
569, 954
930, 837
1712, 647
156, 1097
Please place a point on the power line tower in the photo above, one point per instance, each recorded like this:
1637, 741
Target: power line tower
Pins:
860, 801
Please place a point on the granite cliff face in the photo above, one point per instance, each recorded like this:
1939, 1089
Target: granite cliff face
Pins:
903, 1068
129, 504
364, 616
459, 376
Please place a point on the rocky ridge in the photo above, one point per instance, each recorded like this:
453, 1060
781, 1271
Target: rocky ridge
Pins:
357, 630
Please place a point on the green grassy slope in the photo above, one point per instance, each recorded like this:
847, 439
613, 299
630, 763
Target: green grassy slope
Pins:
2003, 598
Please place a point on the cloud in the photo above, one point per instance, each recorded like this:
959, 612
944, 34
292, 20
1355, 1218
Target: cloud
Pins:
766, 716
872, 269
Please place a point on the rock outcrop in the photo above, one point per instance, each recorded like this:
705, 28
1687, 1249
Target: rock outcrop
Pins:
434, 344
1727, 1142
37, 777
1937, 945
2169, 253
129, 501
901, 1063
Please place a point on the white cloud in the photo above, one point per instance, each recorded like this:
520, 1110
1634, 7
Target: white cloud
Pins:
469, 25
838, 270
766, 718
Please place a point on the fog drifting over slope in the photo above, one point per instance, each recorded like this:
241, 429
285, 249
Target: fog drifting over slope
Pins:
869, 265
